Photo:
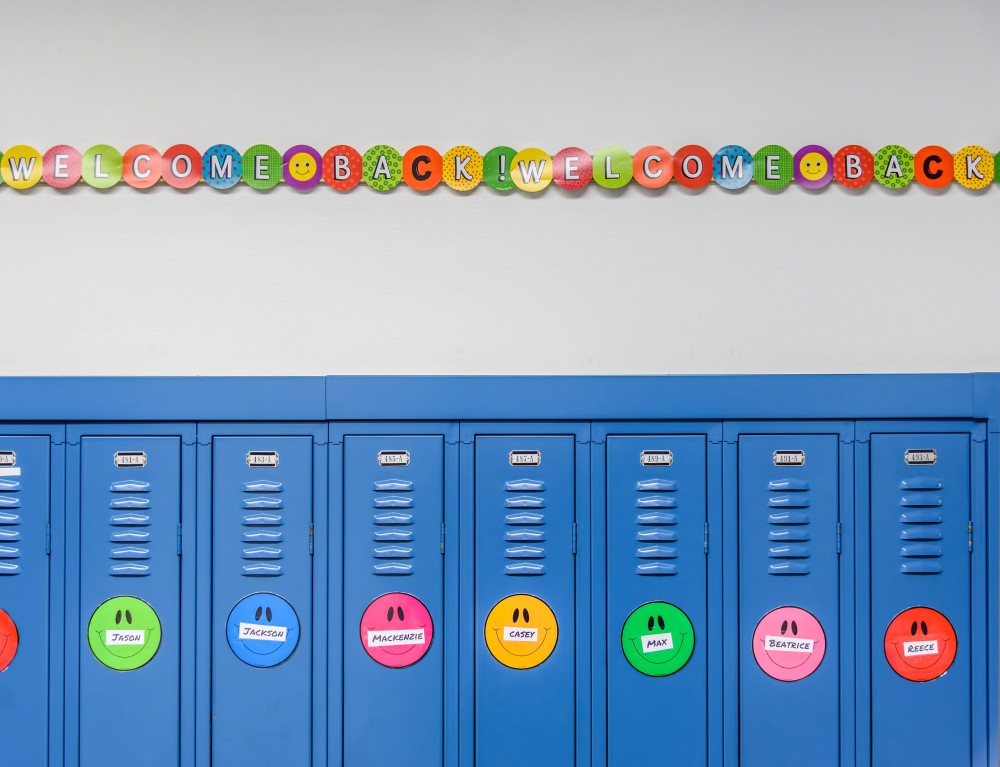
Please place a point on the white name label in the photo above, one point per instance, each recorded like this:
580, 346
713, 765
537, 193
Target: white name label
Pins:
130, 637
515, 634
267, 459
789, 457
8, 458
396, 637
921, 457
789, 644
657, 642
263, 632
656, 458
130, 459
525, 458
393, 458
920, 648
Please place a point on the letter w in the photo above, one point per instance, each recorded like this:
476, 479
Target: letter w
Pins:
23, 168
532, 173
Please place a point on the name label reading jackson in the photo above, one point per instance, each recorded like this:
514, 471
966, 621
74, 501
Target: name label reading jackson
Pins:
920, 648
130, 459
921, 457
393, 457
263, 632
525, 458
130, 637
656, 458
788, 644
515, 634
657, 642
394, 638
789, 457
262, 459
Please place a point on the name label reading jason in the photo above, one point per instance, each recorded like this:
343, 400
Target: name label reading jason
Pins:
130, 637
130, 459
395, 638
657, 642
262, 459
393, 457
788, 644
920, 648
656, 458
263, 632
789, 457
525, 458
8, 458
921, 457
516, 634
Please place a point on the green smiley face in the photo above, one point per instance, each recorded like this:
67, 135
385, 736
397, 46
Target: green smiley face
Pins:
657, 639
124, 633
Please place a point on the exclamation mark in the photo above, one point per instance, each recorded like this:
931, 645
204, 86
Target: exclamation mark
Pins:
503, 167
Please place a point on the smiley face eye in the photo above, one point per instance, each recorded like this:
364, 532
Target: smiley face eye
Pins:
660, 623
795, 628
913, 629
267, 614
256, 615
118, 617
517, 614
526, 618
784, 627
399, 610
128, 617
389, 614
923, 627
650, 623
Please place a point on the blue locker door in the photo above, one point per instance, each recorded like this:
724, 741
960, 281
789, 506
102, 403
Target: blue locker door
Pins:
393, 600
525, 601
789, 503
24, 597
130, 599
262, 506
656, 514
920, 513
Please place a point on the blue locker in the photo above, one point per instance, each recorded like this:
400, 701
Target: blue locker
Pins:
130, 599
657, 568
525, 586
789, 599
394, 611
921, 641
262, 600
24, 597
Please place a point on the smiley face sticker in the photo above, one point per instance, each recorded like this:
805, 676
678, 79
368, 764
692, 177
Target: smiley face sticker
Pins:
263, 630
396, 630
124, 633
8, 640
521, 631
813, 167
658, 639
789, 644
920, 644
302, 167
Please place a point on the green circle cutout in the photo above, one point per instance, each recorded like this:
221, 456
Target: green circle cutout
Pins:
773, 167
496, 168
102, 166
658, 639
124, 633
382, 167
262, 167
893, 166
613, 167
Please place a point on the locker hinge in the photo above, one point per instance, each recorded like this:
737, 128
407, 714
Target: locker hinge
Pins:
312, 538
839, 537
574, 538
706, 537
180, 540
442, 537
970, 536
48, 538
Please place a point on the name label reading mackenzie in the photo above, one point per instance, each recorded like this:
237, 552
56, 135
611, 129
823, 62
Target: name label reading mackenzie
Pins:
263, 632
396, 637
789, 644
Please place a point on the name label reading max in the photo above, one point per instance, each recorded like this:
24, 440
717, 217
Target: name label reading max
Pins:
525, 458
789, 457
921, 457
262, 459
656, 458
393, 457
130, 459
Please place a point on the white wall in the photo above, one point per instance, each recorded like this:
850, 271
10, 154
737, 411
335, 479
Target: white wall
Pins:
244, 282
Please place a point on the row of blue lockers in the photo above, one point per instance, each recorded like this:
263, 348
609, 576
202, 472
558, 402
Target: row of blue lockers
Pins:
535, 593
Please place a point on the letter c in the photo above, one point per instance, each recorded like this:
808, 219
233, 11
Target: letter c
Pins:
420, 175
932, 174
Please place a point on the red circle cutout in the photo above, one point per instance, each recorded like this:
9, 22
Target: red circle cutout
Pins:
693, 166
920, 644
8, 640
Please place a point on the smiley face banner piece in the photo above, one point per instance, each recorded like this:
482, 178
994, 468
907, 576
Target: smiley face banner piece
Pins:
658, 639
263, 630
124, 633
521, 631
396, 630
920, 644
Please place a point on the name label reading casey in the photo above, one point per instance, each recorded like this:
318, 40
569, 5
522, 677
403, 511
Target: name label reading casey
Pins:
788, 644
657, 642
920, 648
263, 632
515, 634
396, 637
130, 637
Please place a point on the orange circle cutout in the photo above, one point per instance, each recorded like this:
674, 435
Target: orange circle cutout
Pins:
693, 166
181, 166
8, 640
934, 167
920, 644
141, 166
652, 167
422, 168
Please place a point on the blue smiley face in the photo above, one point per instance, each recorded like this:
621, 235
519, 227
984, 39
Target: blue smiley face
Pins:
263, 630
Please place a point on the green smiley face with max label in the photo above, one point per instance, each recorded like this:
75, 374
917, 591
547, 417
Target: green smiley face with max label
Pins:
657, 639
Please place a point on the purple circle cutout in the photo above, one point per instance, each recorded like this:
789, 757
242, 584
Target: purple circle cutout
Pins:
302, 167
813, 167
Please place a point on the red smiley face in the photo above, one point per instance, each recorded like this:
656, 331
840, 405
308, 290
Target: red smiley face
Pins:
920, 644
8, 640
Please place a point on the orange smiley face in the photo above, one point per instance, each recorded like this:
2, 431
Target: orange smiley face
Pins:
920, 644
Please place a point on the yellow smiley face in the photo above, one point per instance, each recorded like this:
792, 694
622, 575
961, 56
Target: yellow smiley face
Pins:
521, 631
302, 166
814, 166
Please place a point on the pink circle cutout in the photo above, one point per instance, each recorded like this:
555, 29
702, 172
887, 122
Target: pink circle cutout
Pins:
789, 644
396, 630
61, 166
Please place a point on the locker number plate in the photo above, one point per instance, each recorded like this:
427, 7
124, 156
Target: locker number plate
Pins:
262, 459
130, 459
921, 457
8, 458
525, 458
393, 458
789, 457
656, 458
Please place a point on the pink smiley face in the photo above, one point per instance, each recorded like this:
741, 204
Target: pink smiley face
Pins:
789, 644
396, 630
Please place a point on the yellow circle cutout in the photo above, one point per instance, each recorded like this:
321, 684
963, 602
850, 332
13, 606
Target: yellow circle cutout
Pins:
521, 631
21, 167
462, 168
974, 167
531, 170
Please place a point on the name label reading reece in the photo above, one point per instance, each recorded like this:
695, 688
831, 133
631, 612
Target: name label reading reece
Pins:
393, 458
263, 632
788, 644
920, 648
396, 638
116, 637
657, 642
515, 634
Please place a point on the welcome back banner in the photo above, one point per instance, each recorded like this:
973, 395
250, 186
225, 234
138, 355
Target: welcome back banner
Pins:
502, 168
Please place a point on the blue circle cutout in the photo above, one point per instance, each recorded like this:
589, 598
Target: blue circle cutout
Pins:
732, 167
263, 630
222, 166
